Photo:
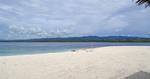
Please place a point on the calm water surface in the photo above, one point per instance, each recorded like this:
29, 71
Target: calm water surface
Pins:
21, 48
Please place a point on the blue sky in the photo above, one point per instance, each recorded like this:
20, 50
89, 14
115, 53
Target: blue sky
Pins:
21, 19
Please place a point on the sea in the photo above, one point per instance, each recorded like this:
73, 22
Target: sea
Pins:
27, 48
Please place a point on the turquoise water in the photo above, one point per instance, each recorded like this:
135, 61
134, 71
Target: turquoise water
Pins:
21, 48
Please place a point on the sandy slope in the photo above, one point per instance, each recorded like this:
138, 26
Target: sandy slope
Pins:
97, 63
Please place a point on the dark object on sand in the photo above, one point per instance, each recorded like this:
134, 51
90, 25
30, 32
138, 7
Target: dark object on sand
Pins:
73, 50
139, 75
146, 2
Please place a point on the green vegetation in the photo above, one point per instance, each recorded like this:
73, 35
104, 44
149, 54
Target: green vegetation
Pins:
146, 2
86, 39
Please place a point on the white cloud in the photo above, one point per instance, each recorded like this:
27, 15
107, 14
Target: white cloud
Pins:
26, 31
53, 18
116, 22
33, 31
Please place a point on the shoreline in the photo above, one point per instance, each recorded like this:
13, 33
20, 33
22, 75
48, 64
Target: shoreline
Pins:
66, 51
112, 62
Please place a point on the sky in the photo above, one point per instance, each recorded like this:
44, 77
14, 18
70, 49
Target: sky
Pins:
25, 19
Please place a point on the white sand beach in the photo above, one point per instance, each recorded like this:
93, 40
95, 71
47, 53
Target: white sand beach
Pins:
114, 62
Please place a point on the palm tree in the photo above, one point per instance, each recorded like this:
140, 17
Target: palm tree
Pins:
146, 2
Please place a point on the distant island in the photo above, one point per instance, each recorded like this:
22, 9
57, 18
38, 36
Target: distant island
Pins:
85, 39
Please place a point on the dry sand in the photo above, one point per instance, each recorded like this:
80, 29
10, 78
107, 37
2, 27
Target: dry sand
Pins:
98, 63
